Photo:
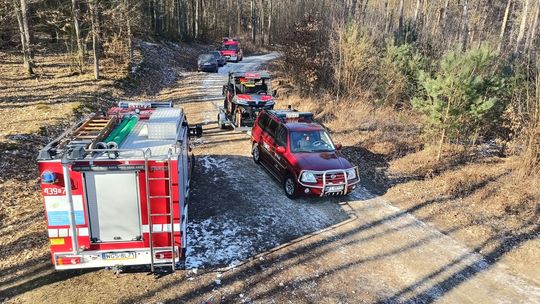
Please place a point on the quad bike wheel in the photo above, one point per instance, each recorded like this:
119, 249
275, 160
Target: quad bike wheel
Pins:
238, 118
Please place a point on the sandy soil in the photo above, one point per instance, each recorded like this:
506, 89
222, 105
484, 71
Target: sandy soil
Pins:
250, 244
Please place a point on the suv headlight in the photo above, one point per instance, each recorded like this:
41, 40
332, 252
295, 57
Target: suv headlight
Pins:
351, 173
308, 177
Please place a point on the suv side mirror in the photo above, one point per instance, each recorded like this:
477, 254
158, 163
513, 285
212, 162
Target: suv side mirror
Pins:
280, 150
339, 146
274, 93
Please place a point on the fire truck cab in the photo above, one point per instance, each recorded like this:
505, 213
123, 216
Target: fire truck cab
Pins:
116, 188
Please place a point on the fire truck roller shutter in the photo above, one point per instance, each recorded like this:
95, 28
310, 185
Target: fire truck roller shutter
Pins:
113, 206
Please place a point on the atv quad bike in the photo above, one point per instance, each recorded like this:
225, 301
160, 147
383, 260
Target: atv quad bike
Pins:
246, 94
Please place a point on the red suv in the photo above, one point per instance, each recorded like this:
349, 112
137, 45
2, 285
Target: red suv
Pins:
299, 153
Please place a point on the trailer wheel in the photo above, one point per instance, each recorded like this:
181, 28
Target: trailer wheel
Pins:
220, 123
290, 187
256, 153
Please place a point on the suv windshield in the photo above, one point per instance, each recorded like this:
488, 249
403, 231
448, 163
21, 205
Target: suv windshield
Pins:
311, 141
230, 47
252, 86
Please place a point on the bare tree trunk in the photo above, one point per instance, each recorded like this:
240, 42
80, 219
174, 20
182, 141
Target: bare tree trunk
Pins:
27, 61
523, 25
364, 8
386, 17
197, 21
28, 37
229, 19
128, 29
503, 25
400, 22
238, 18
465, 26
75, 11
95, 35
269, 29
532, 31
253, 21
352, 12
261, 21
416, 11
444, 13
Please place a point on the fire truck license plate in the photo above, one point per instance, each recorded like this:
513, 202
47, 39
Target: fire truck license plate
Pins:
126, 255
334, 188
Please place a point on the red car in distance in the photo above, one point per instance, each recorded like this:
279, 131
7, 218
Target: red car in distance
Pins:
299, 153
231, 50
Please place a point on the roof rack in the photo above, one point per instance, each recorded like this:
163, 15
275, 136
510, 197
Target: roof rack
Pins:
252, 74
145, 104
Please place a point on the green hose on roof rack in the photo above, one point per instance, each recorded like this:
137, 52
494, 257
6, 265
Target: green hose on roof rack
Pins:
121, 132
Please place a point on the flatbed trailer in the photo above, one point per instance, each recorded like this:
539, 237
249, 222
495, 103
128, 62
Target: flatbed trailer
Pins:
116, 188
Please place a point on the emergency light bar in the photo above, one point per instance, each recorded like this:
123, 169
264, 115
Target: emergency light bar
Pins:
294, 114
145, 104
252, 75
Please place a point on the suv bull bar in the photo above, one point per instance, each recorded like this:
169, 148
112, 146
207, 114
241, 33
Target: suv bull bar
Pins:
325, 184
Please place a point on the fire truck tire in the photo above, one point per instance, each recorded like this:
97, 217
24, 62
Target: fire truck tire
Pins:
290, 187
256, 153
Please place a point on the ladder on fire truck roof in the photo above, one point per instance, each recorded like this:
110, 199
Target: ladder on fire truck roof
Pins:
94, 129
170, 214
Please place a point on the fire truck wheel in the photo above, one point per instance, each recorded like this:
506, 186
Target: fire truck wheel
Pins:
290, 187
256, 153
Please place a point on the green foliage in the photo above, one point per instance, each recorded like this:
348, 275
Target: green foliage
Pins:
400, 68
462, 98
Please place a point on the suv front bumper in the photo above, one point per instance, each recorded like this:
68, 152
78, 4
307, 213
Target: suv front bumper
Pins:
327, 186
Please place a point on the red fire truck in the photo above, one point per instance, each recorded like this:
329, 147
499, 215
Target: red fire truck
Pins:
116, 188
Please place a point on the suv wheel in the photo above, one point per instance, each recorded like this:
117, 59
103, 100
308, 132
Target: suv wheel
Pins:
256, 153
290, 187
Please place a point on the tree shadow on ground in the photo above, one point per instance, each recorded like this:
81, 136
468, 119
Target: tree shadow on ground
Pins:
373, 168
461, 268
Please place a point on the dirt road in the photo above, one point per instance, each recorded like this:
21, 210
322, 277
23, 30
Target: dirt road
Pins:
248, 243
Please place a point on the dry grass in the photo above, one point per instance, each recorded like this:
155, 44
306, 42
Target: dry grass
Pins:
383, 131
34, 110
483, 197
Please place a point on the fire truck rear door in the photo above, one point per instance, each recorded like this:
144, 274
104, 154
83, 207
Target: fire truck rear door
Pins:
113, 206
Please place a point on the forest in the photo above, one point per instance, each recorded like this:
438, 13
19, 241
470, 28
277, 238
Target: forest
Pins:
469, 66
436, 102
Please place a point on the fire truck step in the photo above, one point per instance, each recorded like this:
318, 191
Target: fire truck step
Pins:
161, 196
158, 178
160, 214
